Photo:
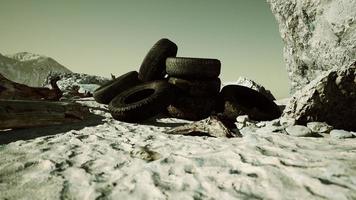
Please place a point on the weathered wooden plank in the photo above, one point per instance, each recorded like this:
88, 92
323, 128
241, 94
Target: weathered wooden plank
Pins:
25, 113
12, 90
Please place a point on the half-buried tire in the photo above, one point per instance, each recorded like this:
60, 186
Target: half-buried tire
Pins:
142, 101
193, 68
153, 66
192, 108
108, 91
197, 88
238, 100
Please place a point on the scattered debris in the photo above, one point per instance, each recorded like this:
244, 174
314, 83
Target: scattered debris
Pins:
213, 126
73, 93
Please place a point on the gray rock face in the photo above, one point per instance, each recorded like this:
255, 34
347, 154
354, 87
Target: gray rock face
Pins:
255, 86
318, 35
330, 98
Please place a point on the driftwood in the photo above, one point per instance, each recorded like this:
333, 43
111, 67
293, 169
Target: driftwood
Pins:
24, 113
213, 126
12, 90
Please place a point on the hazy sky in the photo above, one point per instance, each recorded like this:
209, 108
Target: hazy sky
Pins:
113, 36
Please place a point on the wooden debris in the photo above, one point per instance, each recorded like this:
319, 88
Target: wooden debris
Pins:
13, 90
74, 93
212, 126
24, 113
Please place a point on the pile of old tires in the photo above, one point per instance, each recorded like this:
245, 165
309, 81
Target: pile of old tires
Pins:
186, 88
198, 84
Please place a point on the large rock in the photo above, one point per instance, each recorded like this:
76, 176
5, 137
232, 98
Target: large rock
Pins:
318, 35
330, 98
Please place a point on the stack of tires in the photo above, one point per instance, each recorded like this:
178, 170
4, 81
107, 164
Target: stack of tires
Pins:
197, 84
188, 88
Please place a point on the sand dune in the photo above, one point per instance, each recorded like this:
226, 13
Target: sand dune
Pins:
107, 159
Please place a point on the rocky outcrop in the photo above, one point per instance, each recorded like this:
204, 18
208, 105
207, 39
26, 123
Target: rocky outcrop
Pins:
330, 98
318, 35
81, 82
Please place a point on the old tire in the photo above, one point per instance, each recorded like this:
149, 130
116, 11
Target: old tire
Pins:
197, 88
108, 91
238, 100
193, 68
142, 101
192, 108
153, 66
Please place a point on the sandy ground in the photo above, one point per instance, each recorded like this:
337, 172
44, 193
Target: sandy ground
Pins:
101, 158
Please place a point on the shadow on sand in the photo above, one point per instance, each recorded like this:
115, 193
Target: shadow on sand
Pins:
9, 136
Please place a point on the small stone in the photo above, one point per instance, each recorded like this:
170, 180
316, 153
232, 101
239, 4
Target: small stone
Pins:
341, 134
244, 121
261, 124
299, 131
242, 118
319, 127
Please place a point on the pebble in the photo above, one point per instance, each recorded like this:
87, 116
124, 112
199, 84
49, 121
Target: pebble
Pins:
243, 121
299, 131
319, 127
242, 118
341, 134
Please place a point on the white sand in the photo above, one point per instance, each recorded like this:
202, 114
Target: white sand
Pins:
109, 159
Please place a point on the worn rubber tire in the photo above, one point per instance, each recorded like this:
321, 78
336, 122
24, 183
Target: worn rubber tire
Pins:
108, 91
197, 88
193, 68
153, 66
142, 101
238, 100
192, 108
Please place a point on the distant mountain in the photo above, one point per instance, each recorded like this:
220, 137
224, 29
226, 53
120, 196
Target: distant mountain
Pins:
30, 69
